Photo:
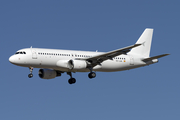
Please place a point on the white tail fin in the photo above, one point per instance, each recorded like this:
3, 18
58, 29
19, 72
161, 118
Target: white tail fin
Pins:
145, 39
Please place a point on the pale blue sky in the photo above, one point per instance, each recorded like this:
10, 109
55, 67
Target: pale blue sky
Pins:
146, 93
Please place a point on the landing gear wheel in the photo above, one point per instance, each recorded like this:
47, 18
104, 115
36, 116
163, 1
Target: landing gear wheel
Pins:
30, 75
72, 80
92, 75
31, 70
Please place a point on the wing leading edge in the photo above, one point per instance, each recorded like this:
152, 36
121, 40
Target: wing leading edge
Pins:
97, 60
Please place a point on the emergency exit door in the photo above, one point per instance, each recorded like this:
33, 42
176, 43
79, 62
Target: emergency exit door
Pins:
34, 54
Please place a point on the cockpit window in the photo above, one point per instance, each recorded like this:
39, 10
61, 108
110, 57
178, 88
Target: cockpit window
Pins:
20, 52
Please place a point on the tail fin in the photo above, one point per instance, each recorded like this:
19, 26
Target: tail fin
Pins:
145, 39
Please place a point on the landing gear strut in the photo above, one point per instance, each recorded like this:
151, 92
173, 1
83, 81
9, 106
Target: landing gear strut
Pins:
71, 80
31, 70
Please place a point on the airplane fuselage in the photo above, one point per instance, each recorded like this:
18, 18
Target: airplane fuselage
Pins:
49, 58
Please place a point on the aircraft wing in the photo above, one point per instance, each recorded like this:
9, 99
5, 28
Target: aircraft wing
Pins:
97, 60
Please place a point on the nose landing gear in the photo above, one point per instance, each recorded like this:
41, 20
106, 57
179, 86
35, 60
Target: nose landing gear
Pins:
31, 70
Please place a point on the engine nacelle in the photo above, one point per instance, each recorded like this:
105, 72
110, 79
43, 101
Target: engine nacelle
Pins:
48, 73
72, 64
63, 63
77, 64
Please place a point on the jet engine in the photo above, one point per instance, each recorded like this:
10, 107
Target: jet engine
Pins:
77, 64
48, 73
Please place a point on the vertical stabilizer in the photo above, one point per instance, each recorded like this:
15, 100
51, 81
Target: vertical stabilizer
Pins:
145, 39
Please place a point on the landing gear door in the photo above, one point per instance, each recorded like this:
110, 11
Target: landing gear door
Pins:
131, 60
34, 54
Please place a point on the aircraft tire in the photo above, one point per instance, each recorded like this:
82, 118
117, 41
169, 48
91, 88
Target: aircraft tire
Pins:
72, 80
30, 75
92, 75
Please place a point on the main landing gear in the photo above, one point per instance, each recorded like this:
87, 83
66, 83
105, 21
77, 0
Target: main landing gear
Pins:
92, 75
31, 70
71, 80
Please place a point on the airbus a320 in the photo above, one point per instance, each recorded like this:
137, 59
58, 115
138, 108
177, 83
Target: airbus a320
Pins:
54, 62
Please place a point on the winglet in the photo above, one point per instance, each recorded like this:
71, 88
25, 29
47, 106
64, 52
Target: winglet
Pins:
135, 45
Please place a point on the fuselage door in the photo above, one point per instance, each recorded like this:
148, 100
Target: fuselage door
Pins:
131, 60
34, 54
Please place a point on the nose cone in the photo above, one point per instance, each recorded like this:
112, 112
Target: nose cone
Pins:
11, 59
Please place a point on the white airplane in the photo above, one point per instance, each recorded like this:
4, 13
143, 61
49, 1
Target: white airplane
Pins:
53, 62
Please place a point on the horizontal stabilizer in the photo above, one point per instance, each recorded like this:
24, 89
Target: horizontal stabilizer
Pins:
155, 57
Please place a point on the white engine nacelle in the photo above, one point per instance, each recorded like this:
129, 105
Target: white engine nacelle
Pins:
72, 64
77, 64
48, 73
